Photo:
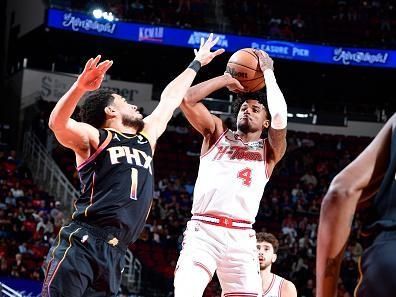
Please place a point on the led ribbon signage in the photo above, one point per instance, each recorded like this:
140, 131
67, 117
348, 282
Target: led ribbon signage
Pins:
83, 23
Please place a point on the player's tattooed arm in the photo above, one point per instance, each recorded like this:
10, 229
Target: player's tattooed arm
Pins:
329, 276
277, 141
358, 182
332, 267
332, 272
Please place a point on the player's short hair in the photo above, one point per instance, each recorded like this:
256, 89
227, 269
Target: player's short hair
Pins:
260, 96
92, 111
268, 237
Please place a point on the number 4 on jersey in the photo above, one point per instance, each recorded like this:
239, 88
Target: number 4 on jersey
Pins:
246, 176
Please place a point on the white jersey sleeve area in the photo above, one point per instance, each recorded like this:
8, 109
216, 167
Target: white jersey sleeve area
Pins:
231, 179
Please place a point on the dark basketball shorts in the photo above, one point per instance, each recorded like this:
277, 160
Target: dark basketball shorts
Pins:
83, 262
378, 268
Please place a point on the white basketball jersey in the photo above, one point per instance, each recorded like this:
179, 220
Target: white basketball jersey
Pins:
231, 179
274, 289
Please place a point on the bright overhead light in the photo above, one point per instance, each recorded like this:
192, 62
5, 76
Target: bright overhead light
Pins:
301, 115
100, 14
108, 16
97, 13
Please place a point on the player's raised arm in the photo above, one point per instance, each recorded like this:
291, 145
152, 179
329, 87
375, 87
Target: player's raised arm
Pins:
75, 135
359, 181
197, 114
173, 94
277, 108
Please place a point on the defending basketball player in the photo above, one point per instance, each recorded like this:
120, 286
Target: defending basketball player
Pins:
234, 169
273, 285
369, 179
114, 148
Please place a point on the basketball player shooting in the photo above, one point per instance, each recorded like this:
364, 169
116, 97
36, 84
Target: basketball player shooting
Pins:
273, 285
234, 169
370, 178
114, 148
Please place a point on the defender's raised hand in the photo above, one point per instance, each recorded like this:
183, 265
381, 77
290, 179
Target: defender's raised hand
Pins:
204, 55
265, 60
92, 76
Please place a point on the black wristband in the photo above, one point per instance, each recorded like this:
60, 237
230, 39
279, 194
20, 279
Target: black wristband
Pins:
195, 65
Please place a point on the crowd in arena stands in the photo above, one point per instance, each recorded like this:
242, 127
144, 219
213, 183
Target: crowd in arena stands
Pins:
358, 22
30, 218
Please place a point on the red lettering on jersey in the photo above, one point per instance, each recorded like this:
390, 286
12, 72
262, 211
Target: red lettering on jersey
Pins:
242, 153
220, 153
238, 153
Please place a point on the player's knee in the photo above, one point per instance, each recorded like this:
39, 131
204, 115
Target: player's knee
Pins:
181, 280
190, 280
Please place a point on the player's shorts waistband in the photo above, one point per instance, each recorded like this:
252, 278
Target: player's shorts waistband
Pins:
222, 221
104, 235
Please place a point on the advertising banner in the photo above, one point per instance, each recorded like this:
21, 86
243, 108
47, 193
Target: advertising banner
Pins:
137, 32
52, 86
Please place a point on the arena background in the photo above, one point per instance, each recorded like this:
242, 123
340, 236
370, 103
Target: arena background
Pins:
335, 107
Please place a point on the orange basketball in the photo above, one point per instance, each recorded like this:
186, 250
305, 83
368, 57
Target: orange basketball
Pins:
244, 66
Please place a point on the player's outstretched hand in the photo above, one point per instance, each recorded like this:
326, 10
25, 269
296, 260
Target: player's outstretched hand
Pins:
233, 84
204, 55
92, 76
265, 60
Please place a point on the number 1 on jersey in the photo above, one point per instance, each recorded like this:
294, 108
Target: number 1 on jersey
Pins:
134, 182
246, 176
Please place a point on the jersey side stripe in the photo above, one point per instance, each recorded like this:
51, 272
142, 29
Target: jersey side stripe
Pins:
280, 287
360, 277
98, 151
63, 258
92, 193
